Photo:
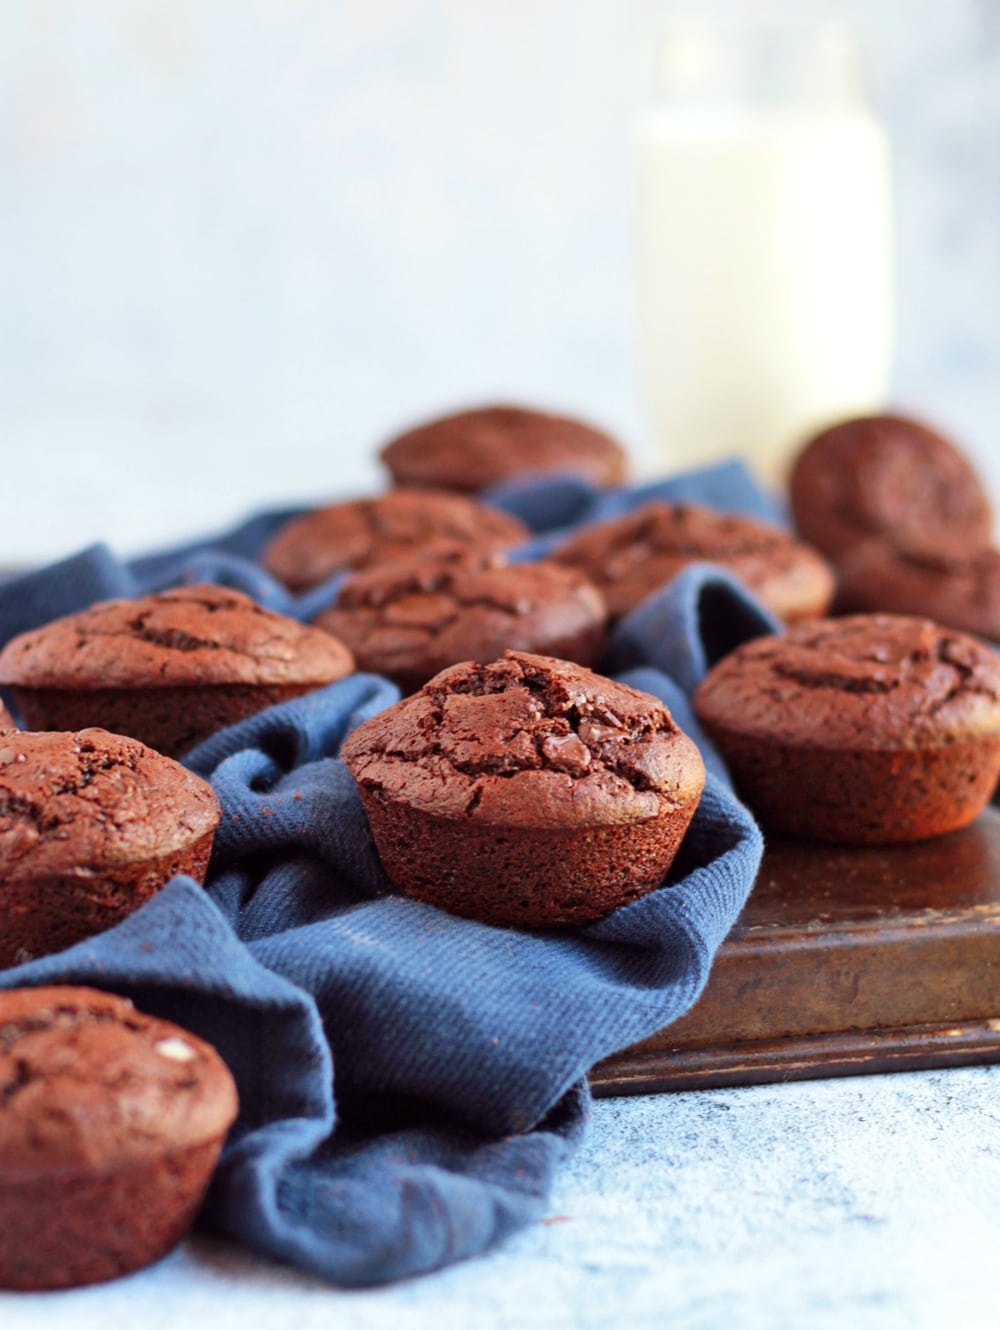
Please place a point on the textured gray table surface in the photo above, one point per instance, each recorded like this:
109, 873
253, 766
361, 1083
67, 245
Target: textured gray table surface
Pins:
870, 1202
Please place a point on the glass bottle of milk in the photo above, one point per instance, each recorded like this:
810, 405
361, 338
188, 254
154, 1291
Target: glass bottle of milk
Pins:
765, 247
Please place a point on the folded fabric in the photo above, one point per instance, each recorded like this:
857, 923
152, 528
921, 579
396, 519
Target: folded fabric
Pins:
409, 1080
553, 503
700, 616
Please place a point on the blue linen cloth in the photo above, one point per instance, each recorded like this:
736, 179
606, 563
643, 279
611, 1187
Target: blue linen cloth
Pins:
409, 1081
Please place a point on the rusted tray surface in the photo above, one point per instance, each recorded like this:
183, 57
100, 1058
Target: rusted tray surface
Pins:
843, 961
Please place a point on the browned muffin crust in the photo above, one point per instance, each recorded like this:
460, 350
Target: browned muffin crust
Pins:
110, 1125
868, 728
147, 1086
363, 532
169, 669
95, 799
473, 449
886, 476
526, 792
91, 825
630, 557
951, 584
194, 635
412, 619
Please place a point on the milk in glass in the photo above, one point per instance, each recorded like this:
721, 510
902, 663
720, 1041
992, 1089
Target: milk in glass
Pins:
765, 260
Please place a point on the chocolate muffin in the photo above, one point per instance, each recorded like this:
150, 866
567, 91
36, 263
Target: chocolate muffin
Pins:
111, 1123
527, 793
886, 476
410, 620
474, 449
91, 826
364, 532
169, 669
631, 557
952, 584
868, 729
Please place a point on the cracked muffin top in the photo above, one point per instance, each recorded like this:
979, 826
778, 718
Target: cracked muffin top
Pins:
954, 585
81, 803
363, 532
866, 681
194, 635
472, 449
409, 620
885, 476
88, 1085
630, 557
528, 741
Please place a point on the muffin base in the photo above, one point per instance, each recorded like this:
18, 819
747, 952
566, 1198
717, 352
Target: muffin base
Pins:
859, 797
63, 1232
171, 720
40, 917
523, 877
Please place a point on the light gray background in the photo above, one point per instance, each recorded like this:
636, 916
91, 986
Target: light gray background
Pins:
859, 1204
241, 240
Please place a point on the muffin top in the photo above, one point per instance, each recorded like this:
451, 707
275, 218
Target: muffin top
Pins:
89, 1085
411, 619
363, 532
85, 803
473, 449
195, 635
528, 741
886, 476
630, 557
867, 681
954, 585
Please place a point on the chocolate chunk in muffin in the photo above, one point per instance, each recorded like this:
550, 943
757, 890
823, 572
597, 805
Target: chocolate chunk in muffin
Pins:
528, 792
412, 619
630, 557
886, 476
364, 532
951, 584
867, 729
169, 669
91, 826
471, 450
111, 1123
